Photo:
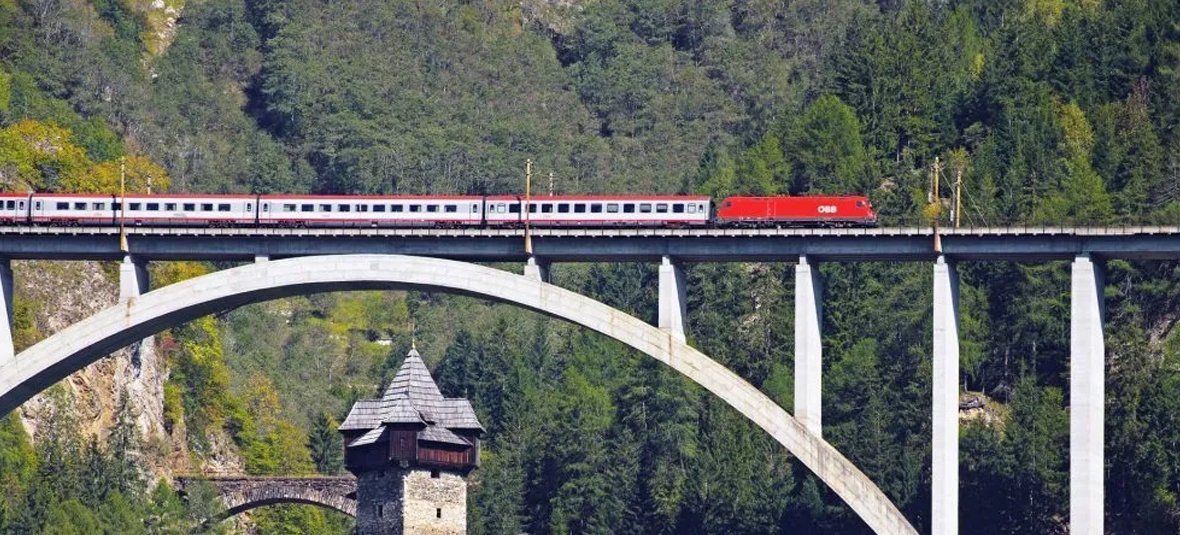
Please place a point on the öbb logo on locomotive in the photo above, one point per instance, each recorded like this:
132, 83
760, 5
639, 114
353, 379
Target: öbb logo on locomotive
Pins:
488, 211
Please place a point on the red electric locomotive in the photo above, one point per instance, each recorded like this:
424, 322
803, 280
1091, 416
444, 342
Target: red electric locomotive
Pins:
804, 210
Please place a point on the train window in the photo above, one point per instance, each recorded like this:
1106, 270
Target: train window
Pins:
628, 208
579, 208
344, 208
645, 208
378, 207
678, 208
170, 206
563, 207
432, 208
662, 208
514, 208
362, 208
692, 208
415, 207
451, 208
307, 208
325, 208
22, 205
266, 207
223, 207
249, 207
860, 204
205, 207
79, 206
395, 208
596, 208
37, 205
288, 207
532, 208
612, 208
63, 206
135, 206
11, 205
98, 206
115, 205
153, 206
189, 207
546, 208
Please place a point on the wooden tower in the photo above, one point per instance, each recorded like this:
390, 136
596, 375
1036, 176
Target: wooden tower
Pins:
411, 451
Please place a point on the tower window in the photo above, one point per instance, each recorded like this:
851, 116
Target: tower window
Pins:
380, 511
438, 513
434, 474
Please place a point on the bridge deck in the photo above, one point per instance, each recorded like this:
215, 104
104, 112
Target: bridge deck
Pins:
585, 244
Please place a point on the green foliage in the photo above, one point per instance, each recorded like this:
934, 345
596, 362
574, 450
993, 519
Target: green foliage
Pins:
326, 445
1057, 113
825, 146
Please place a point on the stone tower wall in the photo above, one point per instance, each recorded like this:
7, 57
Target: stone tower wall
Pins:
379, 502
434, 505
411, 502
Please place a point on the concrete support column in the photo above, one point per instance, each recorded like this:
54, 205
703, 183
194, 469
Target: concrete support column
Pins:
945, 478
673, 300
809, 315
7, 352
1087, 395
537, 269
133, 278
134, 282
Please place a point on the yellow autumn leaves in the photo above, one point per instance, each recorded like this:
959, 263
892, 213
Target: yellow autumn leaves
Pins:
42, 157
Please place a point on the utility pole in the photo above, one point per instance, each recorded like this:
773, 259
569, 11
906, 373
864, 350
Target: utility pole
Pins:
528, 184
550, 183
123, 205
958, 195
936, 207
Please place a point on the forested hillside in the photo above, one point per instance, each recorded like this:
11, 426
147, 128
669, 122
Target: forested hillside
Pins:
1053, 111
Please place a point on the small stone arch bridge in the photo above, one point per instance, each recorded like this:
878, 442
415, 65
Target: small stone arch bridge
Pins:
239, 494
140, 314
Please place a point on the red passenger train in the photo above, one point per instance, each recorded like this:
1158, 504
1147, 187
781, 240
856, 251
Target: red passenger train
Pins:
196, 210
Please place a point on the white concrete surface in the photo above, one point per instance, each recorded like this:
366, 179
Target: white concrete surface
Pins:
673, 299
1087, 399
84, 342
133, 278
537, 270
945, 478
7, 353
809, 314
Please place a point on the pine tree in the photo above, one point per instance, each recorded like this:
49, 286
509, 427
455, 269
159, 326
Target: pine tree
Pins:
326, 445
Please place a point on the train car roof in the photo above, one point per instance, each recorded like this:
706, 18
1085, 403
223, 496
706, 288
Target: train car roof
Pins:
541, 198
373, 197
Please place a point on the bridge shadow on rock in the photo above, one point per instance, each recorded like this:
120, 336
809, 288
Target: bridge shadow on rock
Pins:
133, 319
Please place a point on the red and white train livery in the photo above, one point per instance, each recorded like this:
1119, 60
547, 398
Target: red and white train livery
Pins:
431, 210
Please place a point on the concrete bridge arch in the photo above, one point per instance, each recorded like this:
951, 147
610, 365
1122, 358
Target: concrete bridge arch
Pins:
51, 360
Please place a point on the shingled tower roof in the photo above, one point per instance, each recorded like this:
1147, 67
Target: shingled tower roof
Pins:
413, 399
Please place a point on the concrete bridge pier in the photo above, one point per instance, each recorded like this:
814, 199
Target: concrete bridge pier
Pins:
1087, 395
537, 269
133, 278
945, 478
673, 300
7, 352
808, 346
134, 282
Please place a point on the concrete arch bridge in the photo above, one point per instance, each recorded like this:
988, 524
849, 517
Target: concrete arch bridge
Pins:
139, 315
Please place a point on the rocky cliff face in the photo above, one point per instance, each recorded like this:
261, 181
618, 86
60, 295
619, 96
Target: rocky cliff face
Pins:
63, 293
